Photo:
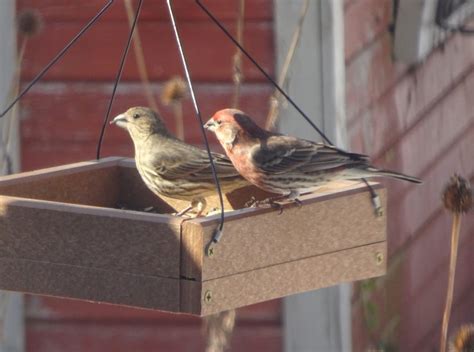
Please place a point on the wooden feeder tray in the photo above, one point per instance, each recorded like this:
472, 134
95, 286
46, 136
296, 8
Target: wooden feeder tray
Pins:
66, 231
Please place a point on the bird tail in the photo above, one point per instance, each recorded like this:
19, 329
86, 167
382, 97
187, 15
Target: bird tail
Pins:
393, 174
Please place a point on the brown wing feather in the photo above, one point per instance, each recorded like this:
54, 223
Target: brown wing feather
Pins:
177, 160
281, 154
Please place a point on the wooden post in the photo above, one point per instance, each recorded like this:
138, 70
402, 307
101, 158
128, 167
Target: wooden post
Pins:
318, 320
11, 304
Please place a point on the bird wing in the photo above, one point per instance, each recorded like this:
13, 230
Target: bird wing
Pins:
280, 154
177, 160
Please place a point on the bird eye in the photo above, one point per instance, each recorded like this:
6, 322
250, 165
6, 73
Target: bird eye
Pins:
136, 116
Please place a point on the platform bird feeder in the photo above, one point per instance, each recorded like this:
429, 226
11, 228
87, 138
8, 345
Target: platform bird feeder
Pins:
71, 231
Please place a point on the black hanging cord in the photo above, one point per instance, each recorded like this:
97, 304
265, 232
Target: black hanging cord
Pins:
373, 194
117, 78
218, 234
57, 57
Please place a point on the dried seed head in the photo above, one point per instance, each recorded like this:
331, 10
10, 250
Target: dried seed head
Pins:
173, 91
463, 339
29, 22
457, 195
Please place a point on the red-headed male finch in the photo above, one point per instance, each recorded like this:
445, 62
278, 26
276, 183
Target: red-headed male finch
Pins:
283, 164
171, 167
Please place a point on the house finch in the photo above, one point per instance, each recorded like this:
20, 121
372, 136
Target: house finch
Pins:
171, 167
283, 164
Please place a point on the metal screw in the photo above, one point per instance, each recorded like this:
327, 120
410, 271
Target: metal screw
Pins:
379, 257
208, 296
210, 250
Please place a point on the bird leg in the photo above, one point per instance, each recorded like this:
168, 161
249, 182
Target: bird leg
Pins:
199, 204
184, 211
293, 198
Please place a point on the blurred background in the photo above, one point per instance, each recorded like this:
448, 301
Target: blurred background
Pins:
379, 76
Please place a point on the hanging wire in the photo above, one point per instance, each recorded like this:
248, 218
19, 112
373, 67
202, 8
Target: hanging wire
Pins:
374, 197
57, 57
217, 235
117, 78
267, 76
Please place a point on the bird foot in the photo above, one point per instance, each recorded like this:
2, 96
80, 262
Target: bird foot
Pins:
265, 203
277, 206
298, 203
254, 203
280, 205
179, 214
276, 203
188, 215
214, 211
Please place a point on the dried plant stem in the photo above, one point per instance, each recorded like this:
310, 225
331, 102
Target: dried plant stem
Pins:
141, 65
219, 328
172, 94
452, 270
178, 115
276, 96
237, 59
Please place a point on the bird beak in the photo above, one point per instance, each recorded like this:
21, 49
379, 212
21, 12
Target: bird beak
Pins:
119, 120
210, 125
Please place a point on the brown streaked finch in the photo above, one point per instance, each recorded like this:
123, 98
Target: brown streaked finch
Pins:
171, 167
287, 165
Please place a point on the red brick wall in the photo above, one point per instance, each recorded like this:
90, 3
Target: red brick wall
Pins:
72, 98
64, 325
417, 120
60, 123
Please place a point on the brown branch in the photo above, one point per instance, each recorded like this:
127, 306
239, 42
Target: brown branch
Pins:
237, 58
276, 96
141, 65
452, 271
